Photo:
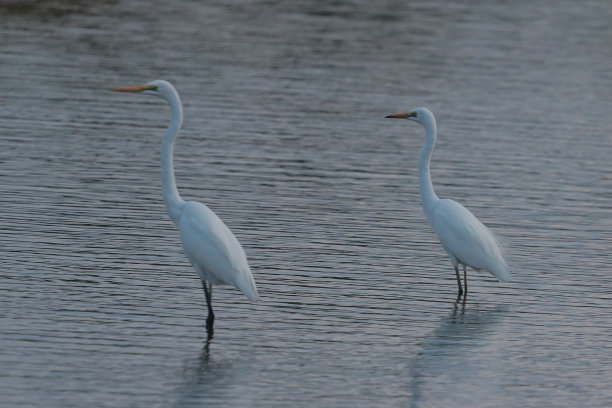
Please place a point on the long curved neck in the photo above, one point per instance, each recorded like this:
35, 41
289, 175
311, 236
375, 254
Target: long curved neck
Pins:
172, 198
428, 195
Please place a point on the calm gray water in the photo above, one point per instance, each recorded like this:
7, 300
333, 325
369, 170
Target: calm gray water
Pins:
284, 138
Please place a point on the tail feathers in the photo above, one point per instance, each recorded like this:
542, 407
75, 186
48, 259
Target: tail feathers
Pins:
501, 273
246, 284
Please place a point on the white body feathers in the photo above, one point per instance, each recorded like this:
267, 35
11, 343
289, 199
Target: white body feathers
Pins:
214, 251
466, 240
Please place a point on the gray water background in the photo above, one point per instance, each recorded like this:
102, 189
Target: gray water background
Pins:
284, 138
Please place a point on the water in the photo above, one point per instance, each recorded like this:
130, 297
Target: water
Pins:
284, 138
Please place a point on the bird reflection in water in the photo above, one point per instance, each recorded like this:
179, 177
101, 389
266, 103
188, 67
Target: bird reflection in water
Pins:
460, 360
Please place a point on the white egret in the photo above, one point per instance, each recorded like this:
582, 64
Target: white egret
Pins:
465, 239
210, 246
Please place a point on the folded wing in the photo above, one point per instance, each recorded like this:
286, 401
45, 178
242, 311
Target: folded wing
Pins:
468, 240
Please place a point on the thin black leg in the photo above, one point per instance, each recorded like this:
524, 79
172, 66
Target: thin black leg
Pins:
210, 320
465, 278
458, 281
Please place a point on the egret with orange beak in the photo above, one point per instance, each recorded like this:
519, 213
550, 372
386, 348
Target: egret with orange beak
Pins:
465, 239
210, 246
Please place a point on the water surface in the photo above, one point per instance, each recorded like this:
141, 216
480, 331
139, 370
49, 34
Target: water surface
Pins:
284, 138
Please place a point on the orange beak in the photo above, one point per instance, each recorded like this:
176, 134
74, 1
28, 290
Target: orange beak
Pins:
400, 116
138, 88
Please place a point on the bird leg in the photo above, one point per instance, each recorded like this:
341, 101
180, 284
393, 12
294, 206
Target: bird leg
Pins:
459, 280
211, 316
465, 278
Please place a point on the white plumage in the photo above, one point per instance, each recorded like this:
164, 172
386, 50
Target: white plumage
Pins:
465, 239
213, 250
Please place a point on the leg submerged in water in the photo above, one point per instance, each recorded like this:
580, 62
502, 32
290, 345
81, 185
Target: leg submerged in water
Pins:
465, 279
210, 320
458, 280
